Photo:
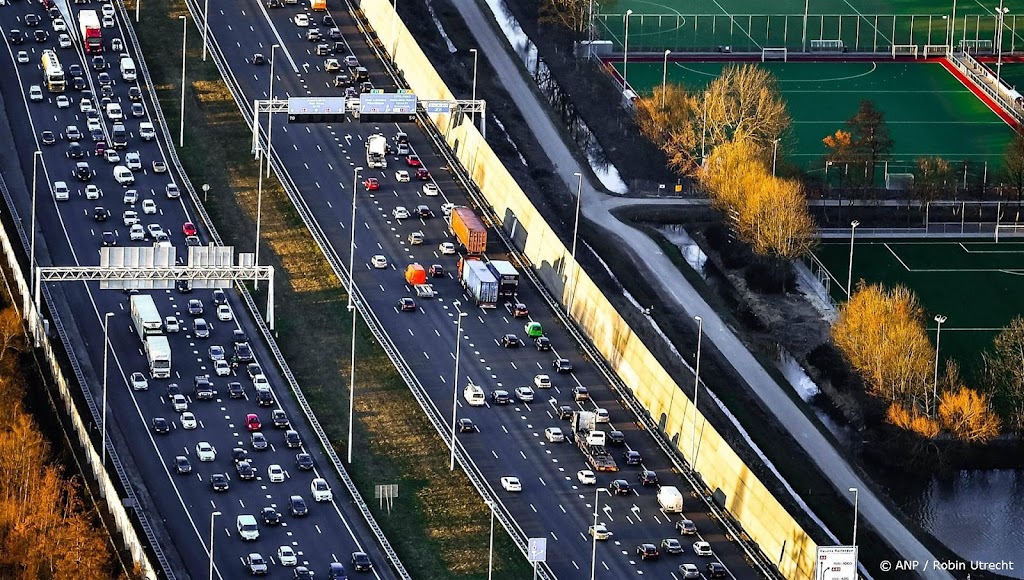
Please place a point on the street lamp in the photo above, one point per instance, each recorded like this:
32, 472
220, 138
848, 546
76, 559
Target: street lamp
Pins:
106, 319
138, 5
696, 383
455, 386
270, 96
259, 216
206, 26
593, 533
856, 498
664, 76
184, 36
935, 379
999, 49
472, 115
575, 232
625, 49
352, 312
490, 548
775, 152
849, 272
212, 516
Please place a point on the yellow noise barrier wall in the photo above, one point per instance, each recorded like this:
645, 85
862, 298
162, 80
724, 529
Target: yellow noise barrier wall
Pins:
763, 518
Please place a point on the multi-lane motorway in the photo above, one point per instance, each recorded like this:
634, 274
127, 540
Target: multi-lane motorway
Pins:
179, 503
319, 161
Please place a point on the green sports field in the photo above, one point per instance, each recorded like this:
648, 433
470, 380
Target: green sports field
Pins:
928, 111
976, 285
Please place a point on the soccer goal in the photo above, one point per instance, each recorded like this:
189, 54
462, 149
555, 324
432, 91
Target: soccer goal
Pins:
774, 54
935, 50
1009, 231
904, 50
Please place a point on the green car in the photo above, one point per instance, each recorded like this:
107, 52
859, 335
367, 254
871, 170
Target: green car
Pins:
534, 329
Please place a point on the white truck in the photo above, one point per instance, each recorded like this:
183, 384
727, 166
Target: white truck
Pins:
158, 352
670, 499
145, 316
377, 151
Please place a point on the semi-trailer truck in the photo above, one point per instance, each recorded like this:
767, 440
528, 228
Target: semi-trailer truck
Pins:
507, 276
145, 316
468, 229
91, 33
477, 279
591, 441
158, 352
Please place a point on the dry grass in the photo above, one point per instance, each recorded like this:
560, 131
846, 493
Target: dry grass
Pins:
439, 525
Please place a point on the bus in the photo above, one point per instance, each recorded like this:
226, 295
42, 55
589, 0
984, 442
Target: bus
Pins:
53, 73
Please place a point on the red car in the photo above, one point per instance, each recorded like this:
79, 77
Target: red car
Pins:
422, 174
101, 148
252, 422
413, 160
188, 228
371, 184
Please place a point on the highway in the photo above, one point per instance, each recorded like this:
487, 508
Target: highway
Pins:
320, 161
178, 505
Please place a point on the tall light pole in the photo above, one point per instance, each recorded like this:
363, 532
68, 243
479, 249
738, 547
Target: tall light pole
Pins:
935, 378
625, 49
775, 154
259, 215
664, 77
138, 5
849, 272
106, 320
270, 115
476, 54
490, 548
212, 516
206, 26
455, 386
856, 499
352, 312
696, 384
593, 541
999, 49
184, 36
952, 29
575, 233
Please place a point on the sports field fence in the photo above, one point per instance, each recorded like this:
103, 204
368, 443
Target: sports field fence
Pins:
862, 33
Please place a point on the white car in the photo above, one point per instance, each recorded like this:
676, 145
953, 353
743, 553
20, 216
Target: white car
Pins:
131, 196
586, 477
446, 248
400, 213
63, 102
180, 404
35, 93
107, 21
147, 131
702, 548
171, 323
93, 192
524, 394
222, 368
93, 125
22, 57
155, 230
379, 261
139, 382
133, 160
64, 41
446, 208
148, 207
260, 381
111, 156
129, 217
301, 20
602, 415
275, 473
286, 556
188, 421
429, 189
554, 435
600, 532
224, 313
85, 105
511, 484
542, 381
72, 133
137, 234
108, 10
59, 25
320, 490
402, 176
61, 191
114, 112
205, 451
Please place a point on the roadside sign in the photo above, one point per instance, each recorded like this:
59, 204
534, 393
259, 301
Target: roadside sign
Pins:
836, 563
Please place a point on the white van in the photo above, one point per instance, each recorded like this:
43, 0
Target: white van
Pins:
123, 175
474, 395
146, 131
60, 191
248, 529
127, 68
670, 499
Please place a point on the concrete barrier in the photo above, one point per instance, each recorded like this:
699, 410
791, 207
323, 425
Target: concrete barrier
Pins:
729, 479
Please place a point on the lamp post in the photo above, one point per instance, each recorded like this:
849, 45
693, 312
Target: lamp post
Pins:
625, 49
664, 77
259, 216
849, 272
184, 36
206, 26
952, 29
696, 383
352, 312
138, 5
999, 49
935, 378
476, 54
593, 541
490, 548
575, 233
455, 386
270, 96
212, 516
775, 154
856, 498
106, 319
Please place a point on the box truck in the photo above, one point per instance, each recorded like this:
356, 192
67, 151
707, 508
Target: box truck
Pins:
158, 353
507, 275
145, 316
468, 229
479, 282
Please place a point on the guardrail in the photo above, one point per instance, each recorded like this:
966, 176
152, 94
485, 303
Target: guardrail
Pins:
979, 73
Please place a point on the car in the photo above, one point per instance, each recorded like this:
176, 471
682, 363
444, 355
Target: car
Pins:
222, 368
201, 328
130, 218
195, 306
58, 24
133, 161
407, 305
104, 79
372, 184
72, 133
313, 35
632, 457
258, 59
114, 112
172, 389
292, 439
524, 394
172, 191
239, 454
16, 36
205, 451
297, 506
424, 212
430, 189
446, 248
320, 490
192, 241
203, 388
219, 482
413, 161
243, 352
422, 174
334, 33
235, 390
147, 131
332, 65
365, 87
586, 477
301, 20
379, 261
286, 556
336, 571
61, 191
554, 435
188, 421
96, 134
256, 564
161, 426
280, 419
616, 437
702, 548
108, 10
565, 412
580, 393
466, 426
188, 228
215, 352
40, 35
647, 552
75, 150
647, 477
107, 21
179, 402
100, 214
123, 176
302, 573
542, 381
137, 233
602, 415
259, 441
182, 465
135, 94
238, 336
22, 57
130, 197
416, 238
511, 484
402, 176
62, 102
254, 370
64, 41
224, 313
91, 125
35, 93
304, 461
511, 341
32, 20
159, 166
252, 422
351, 93
219, 297
600, 532
79, 84
93, 192
716, 570
139, 382
500, 397
689, 572
149, 208
183, 286
686, 527
361, 562
619, 487
109, 239
561, 365
275, 473
137, 110
171, 324
400, 213
245, 470
436, 271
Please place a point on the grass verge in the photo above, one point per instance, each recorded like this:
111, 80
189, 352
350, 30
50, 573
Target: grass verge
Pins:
438, 525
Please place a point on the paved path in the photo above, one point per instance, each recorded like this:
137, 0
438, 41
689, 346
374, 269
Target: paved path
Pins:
596, 206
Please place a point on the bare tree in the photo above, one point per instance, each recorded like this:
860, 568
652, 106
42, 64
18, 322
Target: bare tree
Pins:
12, 333
932, 177
1013, 164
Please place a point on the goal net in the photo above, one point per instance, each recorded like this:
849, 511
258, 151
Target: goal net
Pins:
1009, 231
935, 50
774, 54
904, 50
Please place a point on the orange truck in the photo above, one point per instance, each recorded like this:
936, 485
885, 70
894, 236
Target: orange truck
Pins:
469, 230
318, 5
415, 274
